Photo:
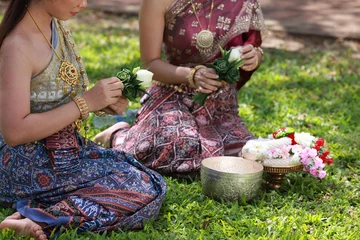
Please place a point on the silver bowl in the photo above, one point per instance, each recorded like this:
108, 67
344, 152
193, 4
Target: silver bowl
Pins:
231, 178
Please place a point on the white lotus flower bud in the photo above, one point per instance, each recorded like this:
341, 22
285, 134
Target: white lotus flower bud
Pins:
235, 54
145, 77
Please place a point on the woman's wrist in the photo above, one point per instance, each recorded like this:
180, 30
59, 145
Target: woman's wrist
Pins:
82, 106
191, 76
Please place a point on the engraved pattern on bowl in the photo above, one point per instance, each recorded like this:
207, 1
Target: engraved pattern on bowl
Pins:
231, 178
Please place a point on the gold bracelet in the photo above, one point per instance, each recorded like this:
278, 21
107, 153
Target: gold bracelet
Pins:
100, 114
192, 75
83, 107
191, 78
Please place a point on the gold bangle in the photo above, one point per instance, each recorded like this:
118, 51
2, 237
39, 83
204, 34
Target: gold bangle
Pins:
83, 107
192, 75
100, 114
191, 78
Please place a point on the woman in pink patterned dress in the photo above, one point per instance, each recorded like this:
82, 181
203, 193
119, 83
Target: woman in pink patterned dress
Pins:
172, 134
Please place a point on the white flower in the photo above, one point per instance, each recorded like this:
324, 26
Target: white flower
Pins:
295, 158
304, 139
145, 77
235, 54
255, 150
278, 143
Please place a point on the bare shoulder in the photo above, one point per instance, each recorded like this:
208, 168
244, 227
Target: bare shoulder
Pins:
15, 46
160, 5
16, 59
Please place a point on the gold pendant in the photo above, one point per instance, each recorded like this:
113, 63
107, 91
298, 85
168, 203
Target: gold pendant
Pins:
68, 73
204, 40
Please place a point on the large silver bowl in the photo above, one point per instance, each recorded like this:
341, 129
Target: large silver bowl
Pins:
231, 178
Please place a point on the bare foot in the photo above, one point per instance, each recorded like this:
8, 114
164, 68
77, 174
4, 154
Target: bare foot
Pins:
23, 227
16, 215
103, 138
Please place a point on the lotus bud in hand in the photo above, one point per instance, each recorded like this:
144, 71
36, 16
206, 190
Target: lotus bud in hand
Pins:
135, 81
145, 77
226, 67
235, 54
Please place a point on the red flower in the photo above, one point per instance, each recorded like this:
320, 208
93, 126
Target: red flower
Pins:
318, 144
324, 155
330, 161
292, 136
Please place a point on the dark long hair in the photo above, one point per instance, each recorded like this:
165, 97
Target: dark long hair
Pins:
14, 13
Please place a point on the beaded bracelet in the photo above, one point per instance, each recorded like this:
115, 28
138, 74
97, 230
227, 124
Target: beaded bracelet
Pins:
83, 107
100, 114
192, 74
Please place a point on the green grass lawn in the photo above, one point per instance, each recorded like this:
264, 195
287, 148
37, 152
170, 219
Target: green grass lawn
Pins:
315, 90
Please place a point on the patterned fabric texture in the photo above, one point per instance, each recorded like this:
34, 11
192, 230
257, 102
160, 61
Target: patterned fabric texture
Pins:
174, 136
171, 134
96, 190
65, 183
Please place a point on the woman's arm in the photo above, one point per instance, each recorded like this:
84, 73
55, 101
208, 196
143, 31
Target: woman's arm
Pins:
152, 24
17, 124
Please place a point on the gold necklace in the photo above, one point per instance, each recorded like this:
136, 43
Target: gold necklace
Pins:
67, 71
205, 38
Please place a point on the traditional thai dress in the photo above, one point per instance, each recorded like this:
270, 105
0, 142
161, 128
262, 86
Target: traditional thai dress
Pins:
63, 181
172, 134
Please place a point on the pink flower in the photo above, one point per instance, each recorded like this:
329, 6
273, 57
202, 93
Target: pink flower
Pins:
296, 148
312, 153
305, 153
284, 152
304, 161
314, 172
318, 162
322, 174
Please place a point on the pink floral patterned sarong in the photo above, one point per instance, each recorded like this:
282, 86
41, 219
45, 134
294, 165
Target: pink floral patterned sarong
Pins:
171, 134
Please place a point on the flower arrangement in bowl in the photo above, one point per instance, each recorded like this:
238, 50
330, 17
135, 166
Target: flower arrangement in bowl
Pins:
287, 148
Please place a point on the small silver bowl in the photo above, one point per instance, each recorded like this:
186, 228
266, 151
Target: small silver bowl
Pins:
231, 178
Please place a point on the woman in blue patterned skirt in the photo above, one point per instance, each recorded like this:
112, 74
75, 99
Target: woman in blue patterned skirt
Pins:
51, 175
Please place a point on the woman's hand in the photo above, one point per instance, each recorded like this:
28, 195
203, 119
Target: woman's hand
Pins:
117, 108
105, 93
251, 57
206, 80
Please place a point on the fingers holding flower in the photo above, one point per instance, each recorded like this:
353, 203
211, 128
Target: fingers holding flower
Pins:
119, 107
135, 81
206, 80
104, 93
251, 57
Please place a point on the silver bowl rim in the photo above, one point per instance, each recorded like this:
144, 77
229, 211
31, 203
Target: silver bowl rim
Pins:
229, 174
